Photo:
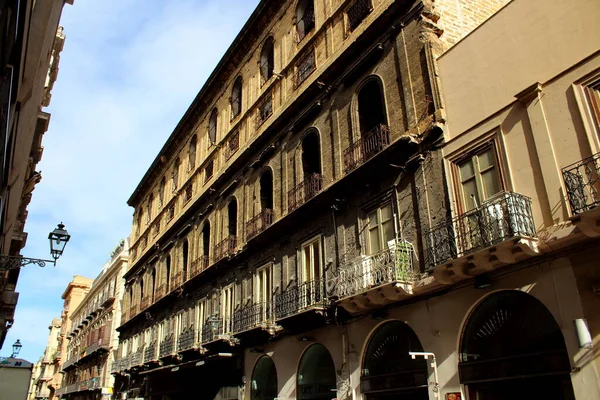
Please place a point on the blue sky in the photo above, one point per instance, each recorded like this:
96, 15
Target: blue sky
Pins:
128, 72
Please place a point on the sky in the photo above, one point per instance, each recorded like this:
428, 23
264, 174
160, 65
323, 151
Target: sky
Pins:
128, 72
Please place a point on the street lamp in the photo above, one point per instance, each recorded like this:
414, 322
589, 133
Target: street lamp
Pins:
16, 348
58, 240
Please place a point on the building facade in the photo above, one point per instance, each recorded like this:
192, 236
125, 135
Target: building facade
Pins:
93, 340
280, 238
29, 57
46, 367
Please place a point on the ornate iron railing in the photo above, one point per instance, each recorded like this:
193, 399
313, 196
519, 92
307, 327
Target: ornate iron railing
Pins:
365, 148
146, 302
298, 298
115, 366
265, 109
357, 12
177, 281
259, 223
365, 272
150, 352
187, 339
252, 316
225, 248
304, 191
306, 23
137, 358
504, 216
198, 265
305, 67
582, 181
167, 346
233, 144
212, 329
160, 292
134, 310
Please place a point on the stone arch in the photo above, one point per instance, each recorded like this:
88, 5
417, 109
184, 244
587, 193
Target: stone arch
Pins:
264, 379
316, 378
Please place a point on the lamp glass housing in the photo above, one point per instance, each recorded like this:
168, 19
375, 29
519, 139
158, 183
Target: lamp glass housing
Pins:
58, 240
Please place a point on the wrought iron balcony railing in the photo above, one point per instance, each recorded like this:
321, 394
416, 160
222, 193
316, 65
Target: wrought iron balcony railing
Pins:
357, 12
304, 68
582, 181
167, 346
137, 358
133, 310
365, 148
177, 280
150, 352
299, 298
225, 248
115, 366
265, 110
146, 302
252, 316
160, 292
505, 216
233, 144
212, 329
187, 339
304, 191
198, 265
365, 272
259, 223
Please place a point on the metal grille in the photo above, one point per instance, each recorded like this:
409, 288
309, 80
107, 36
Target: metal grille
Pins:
357, 12
170, 212
251, 316
160, 292
146, 300
582, 181
198, 265
259, 223
505, 216
150, 352
225, 248
208, 170
167, 346
156, 228
187, 339
138, 357
212, 329
362, 273
177, 280
306, 65
298, 298
189, 192
304, 191
370, 144
306, 23
233, 144
265, 109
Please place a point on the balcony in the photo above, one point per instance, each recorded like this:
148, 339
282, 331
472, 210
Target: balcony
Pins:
304, 191
70, 363
214, 330
301, 305
198, 265
365, 148
500, 231
115, 367
146, 302
102, 344
150, 352
259, 223
177, 280
233, 144
160, 292
582, 182
137, 358
167, 346
225, 248
134, 310
367, 282
187, 339
124, 316
357, 12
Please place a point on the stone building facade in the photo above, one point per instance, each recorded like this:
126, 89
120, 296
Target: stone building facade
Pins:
29, 57
93, 339
46, 366
297, 235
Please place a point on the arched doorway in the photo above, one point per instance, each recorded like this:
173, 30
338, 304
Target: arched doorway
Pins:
264, 380
512, 347
388, 371
316, 378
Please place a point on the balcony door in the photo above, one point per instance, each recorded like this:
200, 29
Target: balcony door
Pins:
310, 287
263, 290
227, 307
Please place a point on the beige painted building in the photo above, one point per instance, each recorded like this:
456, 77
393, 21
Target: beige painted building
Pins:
93, 338
29, 52
47, 365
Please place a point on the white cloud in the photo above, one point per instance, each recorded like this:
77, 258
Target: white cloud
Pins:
129, 70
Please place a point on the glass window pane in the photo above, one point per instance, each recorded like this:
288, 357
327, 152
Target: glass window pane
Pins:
373, 219
386, 212
466, 170
388, 231
470, 194
491, 186
486, 159
374, 245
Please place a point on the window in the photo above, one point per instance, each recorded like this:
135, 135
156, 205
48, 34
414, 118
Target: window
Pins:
357, 12
265, 109
263, 290
212, 126
305, 18
208, 171
192, 154
267, 60
139, 221
479, 178
232, 212
305, 66
236, 98
380, 228
176, 174
311, 260
371, 110
167, 273
233, 144
149, 213
227, 307
161, 192
266, 190
206, 239
185, 256
311, 154
189, 193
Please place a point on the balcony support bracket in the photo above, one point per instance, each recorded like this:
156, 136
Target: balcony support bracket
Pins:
588, 226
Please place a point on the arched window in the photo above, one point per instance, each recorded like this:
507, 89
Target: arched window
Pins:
371, 107
311, 154
176, 174
153, 283
305, 18
142, 288
267, 60
192, 153
510, 335
212, 126
388, 370
206, 240
185, 253
167, 273
236, 98
161, 192
139, 220
266, 190
232, 211
316, 379
264, 380
150, 204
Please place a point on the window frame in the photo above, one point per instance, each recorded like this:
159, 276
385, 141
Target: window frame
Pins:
367, 228
302, 278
